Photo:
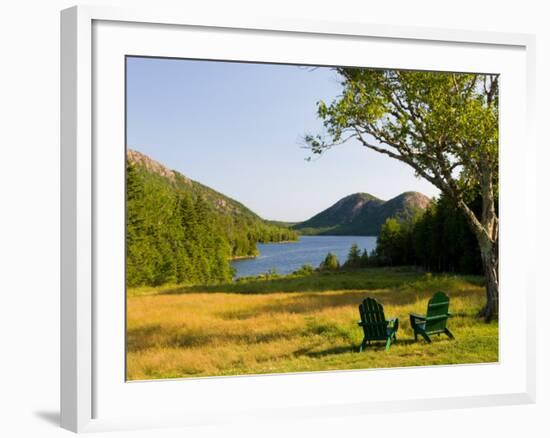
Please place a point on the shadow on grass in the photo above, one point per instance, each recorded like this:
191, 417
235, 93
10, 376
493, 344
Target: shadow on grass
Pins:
331, 351
141, 338
316, 302
144, 338
376, 346
312, 302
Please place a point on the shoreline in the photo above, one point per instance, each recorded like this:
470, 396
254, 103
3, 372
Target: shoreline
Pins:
245, 257
250, 257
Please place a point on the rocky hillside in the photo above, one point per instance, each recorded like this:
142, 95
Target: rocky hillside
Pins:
217, 200
138, 159
163, 188
362, 214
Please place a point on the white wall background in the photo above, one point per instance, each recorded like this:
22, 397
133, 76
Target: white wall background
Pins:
29, 215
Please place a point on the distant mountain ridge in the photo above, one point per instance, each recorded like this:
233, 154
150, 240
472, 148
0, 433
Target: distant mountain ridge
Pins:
362, 214
359, 214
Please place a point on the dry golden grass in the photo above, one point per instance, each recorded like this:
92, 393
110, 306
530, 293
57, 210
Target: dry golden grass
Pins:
207, 334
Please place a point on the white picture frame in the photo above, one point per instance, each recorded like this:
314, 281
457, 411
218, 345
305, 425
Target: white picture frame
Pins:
91, 392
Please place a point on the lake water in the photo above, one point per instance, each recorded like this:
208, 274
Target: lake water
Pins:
289, 257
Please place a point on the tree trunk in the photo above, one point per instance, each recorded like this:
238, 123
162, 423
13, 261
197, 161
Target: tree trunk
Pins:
489, 259
486, 230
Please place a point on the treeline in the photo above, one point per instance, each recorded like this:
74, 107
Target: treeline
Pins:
175, 236
356, 259
438, 240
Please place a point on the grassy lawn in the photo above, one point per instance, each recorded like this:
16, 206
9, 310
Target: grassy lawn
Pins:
298, 324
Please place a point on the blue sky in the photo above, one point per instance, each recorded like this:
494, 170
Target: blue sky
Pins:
238, 128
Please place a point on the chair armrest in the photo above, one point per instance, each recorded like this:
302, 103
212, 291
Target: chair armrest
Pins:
417, 316
449, 314
393, 322
360, 323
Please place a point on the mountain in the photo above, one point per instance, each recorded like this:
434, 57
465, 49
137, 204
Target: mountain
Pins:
362, 214
218, 201
181, 231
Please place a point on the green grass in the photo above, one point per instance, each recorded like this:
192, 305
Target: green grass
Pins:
295, 324
369, 278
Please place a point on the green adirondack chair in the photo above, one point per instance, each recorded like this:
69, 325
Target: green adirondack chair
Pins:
374, 323
435, 321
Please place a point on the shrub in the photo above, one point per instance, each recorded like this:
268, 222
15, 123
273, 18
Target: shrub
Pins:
271, 274
330, 263
305, 270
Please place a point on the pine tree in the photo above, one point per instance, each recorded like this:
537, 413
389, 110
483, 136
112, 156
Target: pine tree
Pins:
364, 262
354, 257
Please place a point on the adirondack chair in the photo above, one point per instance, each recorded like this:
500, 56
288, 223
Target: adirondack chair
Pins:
435, 321
374, 323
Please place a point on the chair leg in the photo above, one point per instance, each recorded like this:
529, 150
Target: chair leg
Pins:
448, 333
363, 345
414, 327
426, 337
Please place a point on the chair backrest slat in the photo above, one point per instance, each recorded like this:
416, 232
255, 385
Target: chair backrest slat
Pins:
438, 311
373, 319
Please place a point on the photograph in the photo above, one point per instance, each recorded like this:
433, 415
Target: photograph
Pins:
287, 218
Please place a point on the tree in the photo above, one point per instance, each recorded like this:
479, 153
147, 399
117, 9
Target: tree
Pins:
438, 240
443, 125
354, 257
364, 262
330, 263
388, 244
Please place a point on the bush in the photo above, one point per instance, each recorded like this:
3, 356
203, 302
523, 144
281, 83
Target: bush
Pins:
271, 274
305, 270
330, 263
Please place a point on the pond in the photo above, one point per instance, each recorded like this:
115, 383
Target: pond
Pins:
288, 257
